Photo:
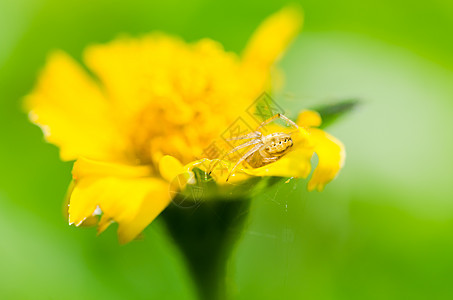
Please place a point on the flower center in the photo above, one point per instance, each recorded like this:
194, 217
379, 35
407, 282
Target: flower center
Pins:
171, 127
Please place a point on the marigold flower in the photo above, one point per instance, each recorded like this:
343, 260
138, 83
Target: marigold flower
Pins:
153, 105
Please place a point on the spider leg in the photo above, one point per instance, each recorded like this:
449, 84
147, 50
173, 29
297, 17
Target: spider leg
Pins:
244, 157
255, 134
249, 143
278, 116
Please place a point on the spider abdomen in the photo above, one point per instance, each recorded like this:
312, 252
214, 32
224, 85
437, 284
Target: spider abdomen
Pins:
270, 151
263, 149
256, 160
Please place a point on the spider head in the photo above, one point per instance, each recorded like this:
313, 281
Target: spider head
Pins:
278, 145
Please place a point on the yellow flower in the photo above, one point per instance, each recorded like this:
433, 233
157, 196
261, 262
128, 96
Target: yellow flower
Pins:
151, 107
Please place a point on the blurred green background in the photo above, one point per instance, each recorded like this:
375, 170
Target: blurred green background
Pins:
382, 230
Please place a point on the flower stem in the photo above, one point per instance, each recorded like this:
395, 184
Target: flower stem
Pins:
206, 234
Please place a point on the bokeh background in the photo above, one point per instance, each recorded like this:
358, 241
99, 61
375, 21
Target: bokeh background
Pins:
382, 230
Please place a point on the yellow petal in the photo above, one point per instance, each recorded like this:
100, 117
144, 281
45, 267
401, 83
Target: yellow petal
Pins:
72, 111
85, 167
219, 170
131, 70
309, 118
294, 164
125, 194
132, 225
273, 36
83, 201
331, 156
170, 167
104, 223
132, 203
117, 66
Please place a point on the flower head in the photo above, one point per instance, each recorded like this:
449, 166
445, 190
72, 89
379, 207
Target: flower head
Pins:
151, 108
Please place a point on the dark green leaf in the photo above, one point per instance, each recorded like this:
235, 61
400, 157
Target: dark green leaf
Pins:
331, 112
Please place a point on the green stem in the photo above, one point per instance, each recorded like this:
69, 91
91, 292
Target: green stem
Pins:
206, 234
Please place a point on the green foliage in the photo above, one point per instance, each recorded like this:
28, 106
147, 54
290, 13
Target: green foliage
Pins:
331, 112
381, 230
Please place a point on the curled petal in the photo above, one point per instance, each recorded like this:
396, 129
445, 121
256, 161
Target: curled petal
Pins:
82, 202
125, 194
170, 167
294, 164
331, 156
132, 203
72, 111
273, 36
104, 223
136, 204
309, 118
219, 170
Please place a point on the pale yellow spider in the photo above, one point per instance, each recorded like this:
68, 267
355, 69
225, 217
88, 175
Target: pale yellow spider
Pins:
266, 148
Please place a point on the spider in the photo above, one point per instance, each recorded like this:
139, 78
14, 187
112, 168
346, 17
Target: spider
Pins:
266, 148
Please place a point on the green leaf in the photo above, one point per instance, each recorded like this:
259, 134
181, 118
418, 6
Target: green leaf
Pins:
331, 112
